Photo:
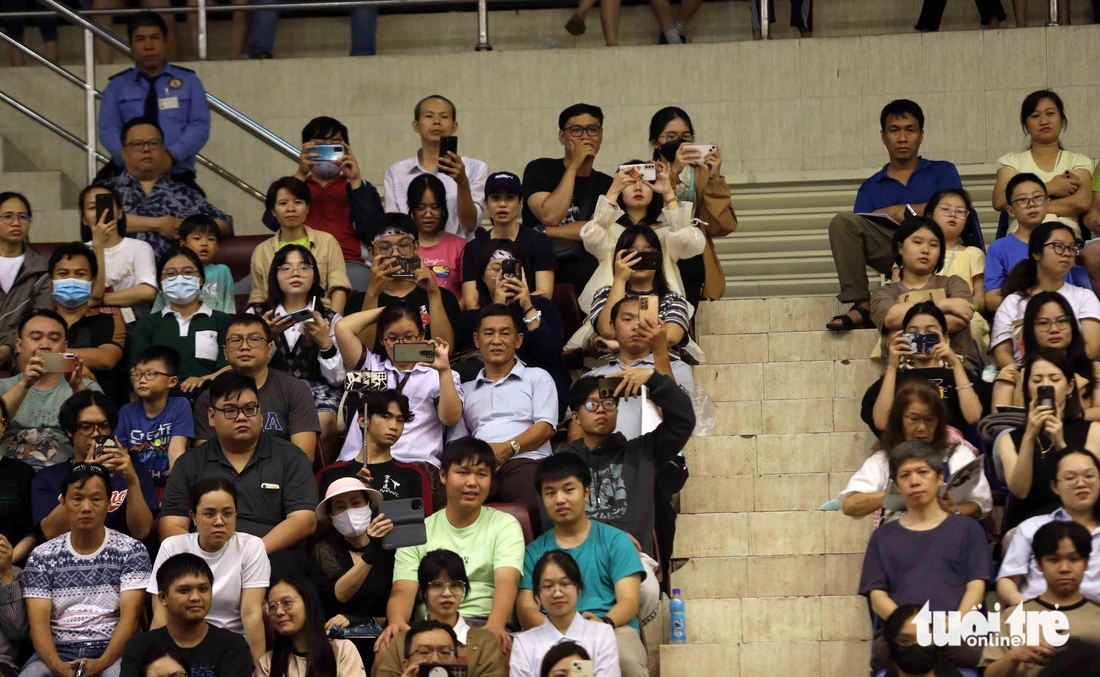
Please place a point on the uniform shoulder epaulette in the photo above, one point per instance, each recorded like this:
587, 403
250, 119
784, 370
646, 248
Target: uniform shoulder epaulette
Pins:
128, 70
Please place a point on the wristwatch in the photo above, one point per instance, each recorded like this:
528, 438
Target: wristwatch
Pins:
515, 446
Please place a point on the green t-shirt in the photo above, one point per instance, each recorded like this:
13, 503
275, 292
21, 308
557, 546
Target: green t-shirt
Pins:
301, 242
495, 540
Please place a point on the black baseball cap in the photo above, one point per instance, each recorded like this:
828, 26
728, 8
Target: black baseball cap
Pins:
503, 180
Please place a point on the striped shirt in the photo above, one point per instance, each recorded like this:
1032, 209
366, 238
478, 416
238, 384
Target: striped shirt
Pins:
672, 308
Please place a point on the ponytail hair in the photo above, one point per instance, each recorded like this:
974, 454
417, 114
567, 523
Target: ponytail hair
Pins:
1025, 274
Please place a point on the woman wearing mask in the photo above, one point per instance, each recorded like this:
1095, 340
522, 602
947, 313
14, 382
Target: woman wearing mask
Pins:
440, 251
238, 560
443, 584
696, 176
301, 648
190, 326
128, 266
1052, 250
1028, 454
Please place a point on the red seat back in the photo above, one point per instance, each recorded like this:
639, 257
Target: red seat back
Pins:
236, 252
519, 511
565, 300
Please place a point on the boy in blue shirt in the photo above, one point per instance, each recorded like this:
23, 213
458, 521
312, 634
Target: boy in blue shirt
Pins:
200, 234
156, 428
610, 566
1028, 203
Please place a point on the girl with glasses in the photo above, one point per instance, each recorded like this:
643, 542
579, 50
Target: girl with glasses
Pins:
443, 584
440, 251
301, 648
238, 560
1052, 251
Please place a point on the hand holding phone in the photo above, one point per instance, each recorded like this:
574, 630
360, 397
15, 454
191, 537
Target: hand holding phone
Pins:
58, 363
1044, 397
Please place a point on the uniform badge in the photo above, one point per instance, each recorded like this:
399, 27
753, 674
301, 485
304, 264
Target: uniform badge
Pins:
175, 83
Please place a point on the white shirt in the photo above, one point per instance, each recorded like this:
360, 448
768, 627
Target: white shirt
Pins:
332, 368
1008, 323
1020, 561
241, 563
629, 421
422, 440
9, 270
400, 175
529, 647
129, 263
874, 475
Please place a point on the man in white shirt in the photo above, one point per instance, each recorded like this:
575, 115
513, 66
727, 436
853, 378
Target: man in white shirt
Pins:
435, 117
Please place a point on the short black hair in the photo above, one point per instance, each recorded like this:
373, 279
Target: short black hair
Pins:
468, 450
924, 308
562, 466
324, 127
912, 224
378, 404
564, 560
563, 649
249, 320
168, 355
80, 473
580, 391
155, 653
1049, 536
208, 485
500, 310
68, 250
135, 123
894, 625
391, 221
68, 416
419, 627
441, 562
900, 108
40, 312
915, 449
416, 109
617, 308
293, 185
579, 109
143, 19
230, 383
199, 223
179, 250
12, 195
178, 566
1022, 177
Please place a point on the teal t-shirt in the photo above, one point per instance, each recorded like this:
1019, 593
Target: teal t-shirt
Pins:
606, 557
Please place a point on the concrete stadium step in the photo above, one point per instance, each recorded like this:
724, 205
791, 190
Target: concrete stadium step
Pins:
46, 190
831, 658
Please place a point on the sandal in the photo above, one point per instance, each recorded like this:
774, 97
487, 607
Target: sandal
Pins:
846, 323
575, 25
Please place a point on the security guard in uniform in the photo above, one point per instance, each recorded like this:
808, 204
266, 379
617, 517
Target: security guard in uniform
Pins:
171, 96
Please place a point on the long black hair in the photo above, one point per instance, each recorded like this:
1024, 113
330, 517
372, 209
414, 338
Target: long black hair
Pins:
1072, 410
626, 241
1025, 274
484, 298
275, 295
1031, 104
120, 216
652, 210
320, 659
415, 194
1075, 350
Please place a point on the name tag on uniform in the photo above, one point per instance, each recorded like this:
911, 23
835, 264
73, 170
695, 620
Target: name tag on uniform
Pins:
269, 485
169, 102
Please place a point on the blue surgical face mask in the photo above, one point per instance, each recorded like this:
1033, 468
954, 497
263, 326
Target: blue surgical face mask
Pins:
72, 293
181, 290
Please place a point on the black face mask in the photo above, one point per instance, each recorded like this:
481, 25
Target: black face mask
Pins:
668, 150
916, 659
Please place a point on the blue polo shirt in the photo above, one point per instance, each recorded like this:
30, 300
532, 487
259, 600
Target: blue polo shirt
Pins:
881, 190
502, 410
183, 112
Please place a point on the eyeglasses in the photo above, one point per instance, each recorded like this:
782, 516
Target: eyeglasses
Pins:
549, 588
686, 137
286, 604
948, 210
92, 427
11, 217
142, 145
1061, 248
456, 587
150, 375
172, 273
1060, 322
253, 341
439, 651
423, 209
578, 131
390, 340
211, 515
1070, 478
287, 269
232, 412
403, 248
928, 421
606, 405
1025, 202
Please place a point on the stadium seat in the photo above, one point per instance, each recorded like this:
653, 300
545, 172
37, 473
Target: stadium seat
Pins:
519, 511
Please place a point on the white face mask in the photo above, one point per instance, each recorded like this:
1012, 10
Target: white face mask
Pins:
353, 521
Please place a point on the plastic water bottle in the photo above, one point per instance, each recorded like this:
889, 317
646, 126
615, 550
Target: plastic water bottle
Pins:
677, 626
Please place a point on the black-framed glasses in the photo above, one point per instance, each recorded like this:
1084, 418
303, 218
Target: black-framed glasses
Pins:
425, 652
231, 412
668, 137
577, 131
92, 427
148, 374
142, 145
1061, 248
606, 405
1025, 202
253, 341
403, 248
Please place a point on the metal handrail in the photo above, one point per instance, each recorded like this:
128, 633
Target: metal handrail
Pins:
50, 125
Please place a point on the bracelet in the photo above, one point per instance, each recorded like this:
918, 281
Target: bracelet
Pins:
607, 619
964, 387
536, 318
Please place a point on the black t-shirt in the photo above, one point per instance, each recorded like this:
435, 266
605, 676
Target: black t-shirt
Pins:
93, 331
417, 298
394, 479
220, 654
16, 517
942, 378
543, 176
1042, 500
535, 246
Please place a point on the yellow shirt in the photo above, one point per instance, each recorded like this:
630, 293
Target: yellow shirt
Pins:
966, 262
331, 271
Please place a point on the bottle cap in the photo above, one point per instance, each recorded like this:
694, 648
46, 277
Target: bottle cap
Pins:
676, 591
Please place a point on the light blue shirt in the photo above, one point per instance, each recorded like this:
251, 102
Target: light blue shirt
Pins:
1020, 561
501, 411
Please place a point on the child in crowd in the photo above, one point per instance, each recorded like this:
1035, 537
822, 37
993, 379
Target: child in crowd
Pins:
1028, 203
200, 234
440, 251
156, 427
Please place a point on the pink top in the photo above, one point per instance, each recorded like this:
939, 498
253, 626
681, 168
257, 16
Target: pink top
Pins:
445, 260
